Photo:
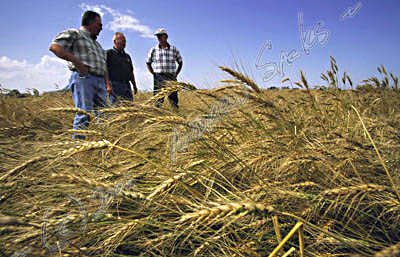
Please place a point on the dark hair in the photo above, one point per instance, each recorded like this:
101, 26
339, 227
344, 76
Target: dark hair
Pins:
88, 17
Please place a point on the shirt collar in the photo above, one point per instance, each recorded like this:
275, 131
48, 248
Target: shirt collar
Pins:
168, 46
87, 33
122, 52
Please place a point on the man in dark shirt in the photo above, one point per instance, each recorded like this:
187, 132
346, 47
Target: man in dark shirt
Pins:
120, 70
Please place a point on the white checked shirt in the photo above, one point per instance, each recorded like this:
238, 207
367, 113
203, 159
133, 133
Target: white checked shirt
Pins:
164, 58
79, 43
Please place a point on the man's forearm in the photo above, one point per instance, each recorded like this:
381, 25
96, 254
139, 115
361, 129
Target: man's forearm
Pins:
60, 52
132, 79
106, 79
133, 83
150, 68
107, 82
179, 68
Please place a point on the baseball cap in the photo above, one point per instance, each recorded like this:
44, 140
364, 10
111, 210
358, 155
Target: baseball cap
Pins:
160, 31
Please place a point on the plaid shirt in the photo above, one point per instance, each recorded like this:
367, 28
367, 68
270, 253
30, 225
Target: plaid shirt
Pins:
80, 44
164, 58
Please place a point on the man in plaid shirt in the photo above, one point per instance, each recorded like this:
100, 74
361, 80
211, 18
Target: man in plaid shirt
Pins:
87, 60
164, 57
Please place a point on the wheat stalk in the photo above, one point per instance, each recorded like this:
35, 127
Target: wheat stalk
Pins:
126, 116
84, 131
113, 241
255, 98
169, 119
59, 144
184, 85
171, 86
86, 181
355, 189
134, 195
23, 166
223, 88
85, 147
166, 91
7, 220
119, 109
70, 109
231, 81
14, 128
167, 184
227, 210
391, 251
242, 78
395, 189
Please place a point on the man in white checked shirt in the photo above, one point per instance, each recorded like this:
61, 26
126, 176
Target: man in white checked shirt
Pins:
164, 56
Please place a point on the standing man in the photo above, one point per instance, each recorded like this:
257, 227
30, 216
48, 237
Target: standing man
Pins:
164, 57
120, 70
87, 61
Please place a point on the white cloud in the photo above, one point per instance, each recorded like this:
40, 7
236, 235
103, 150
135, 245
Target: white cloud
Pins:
144, 79
52, 71
120, 21
42, 76
47, 73
95, 8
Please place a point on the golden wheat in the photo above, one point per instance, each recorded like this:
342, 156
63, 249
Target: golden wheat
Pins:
242, 78
85, 147
355, 189
23, 166
226, 210
69, 109
163, 187
167, 119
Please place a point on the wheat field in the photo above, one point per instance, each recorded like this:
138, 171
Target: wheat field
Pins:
232, 173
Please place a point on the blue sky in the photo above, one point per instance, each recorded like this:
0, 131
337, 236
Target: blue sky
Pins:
207, 33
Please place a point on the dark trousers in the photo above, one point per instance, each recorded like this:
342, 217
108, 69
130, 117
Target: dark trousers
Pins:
120, 91
159, 83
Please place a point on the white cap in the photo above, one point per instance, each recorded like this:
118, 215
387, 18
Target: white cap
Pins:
160, 31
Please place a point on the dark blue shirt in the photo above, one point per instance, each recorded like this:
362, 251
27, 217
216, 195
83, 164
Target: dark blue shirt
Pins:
119, 65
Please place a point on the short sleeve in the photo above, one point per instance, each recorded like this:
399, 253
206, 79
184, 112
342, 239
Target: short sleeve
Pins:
108, 56
130, 61
178, 56
149, 59
66, 38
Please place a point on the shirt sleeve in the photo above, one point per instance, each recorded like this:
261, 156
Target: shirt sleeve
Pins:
178, 56
66, 38
149, 59
130, 62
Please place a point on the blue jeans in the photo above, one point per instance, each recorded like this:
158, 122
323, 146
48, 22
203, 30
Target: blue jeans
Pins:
120, 91
89, 94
